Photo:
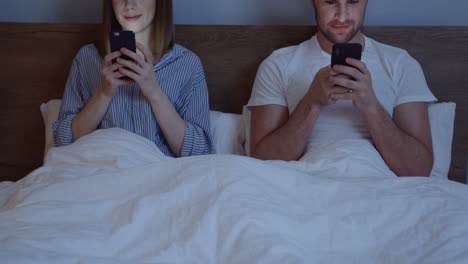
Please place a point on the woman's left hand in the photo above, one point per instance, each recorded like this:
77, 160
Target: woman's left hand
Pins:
141, 71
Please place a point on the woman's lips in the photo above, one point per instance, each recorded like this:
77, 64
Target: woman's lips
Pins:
132, 18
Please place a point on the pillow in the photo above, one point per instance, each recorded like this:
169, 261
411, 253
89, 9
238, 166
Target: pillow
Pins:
227, 130
441, 117
228, 133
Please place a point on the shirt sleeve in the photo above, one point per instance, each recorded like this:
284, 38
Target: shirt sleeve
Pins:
72, 103
197, 138
412, 83
269, 84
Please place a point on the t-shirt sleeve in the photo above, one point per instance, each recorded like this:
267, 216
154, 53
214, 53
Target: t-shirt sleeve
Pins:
269, 84
412, 86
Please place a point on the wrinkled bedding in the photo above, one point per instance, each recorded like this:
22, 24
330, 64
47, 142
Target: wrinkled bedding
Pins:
112, 197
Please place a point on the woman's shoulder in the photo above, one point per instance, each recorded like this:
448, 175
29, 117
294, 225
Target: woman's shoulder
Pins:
87, 52
184, 53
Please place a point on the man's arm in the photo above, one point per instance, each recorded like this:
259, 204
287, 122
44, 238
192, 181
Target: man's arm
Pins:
276, 135
405, 142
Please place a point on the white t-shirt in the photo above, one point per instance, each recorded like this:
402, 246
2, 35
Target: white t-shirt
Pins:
285, 77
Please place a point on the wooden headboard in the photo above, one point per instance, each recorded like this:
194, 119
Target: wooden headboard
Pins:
36, 59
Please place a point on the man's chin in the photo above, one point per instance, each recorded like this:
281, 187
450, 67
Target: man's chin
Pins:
339, 38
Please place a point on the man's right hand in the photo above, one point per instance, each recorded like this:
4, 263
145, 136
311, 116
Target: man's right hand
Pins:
322, 87
110, 76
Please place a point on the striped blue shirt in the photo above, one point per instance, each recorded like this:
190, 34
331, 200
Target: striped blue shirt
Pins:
180, 75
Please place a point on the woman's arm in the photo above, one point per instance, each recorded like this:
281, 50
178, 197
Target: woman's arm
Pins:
89, 118
186, 135
76, 119
170, 122
92, 114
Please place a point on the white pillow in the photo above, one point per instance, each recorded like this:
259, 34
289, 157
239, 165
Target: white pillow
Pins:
227, 130
441, 117
228, 133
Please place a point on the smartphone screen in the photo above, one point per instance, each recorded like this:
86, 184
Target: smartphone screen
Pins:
122, 39
341, 51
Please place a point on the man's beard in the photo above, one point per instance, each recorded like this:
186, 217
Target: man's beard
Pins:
332, 37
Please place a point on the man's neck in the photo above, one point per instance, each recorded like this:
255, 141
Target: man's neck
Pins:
327, 45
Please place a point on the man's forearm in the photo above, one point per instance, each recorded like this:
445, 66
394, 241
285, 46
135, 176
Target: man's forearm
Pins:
404, 154
289, 141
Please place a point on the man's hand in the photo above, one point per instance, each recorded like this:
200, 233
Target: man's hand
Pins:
357, 81
323, 87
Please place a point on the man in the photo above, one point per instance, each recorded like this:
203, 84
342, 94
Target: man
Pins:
298, 99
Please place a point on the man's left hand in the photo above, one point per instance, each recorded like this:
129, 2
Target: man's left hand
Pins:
359, 85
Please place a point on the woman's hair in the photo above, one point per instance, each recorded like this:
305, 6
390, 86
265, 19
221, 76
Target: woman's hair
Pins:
162, 35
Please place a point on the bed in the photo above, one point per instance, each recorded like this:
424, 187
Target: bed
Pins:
112, 197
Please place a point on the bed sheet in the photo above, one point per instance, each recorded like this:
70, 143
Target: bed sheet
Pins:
112, 197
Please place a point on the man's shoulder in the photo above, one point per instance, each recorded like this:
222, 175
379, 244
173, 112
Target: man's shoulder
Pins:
286, 54
388, 51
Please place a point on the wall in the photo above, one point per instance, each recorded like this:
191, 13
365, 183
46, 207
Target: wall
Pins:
245, 12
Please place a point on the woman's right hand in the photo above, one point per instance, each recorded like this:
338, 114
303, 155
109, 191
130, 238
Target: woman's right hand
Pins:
110, 76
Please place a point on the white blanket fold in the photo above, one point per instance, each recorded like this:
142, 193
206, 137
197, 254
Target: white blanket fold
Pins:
112, 197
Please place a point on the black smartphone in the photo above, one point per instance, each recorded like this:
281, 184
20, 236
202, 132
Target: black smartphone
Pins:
341, 51
122, 39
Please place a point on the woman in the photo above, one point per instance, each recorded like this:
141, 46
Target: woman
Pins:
167, 99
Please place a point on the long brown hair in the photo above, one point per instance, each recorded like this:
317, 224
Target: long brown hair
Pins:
162, 35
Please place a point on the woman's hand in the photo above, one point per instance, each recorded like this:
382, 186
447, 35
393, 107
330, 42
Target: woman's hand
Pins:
141, 70
110, 75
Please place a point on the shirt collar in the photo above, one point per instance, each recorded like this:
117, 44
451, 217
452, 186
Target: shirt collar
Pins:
176, 52
315, 44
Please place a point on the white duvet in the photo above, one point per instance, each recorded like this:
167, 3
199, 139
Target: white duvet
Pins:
112, 197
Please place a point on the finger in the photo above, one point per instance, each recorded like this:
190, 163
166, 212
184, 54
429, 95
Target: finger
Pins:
349, 71
346, 96
130, 74
109, 57
344, 76
112, 68
330, 101
124, 82
344, 82
339, 90
332, 79
333, 72
361, 66
117, 75
146, 52
134, 56
132, 65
